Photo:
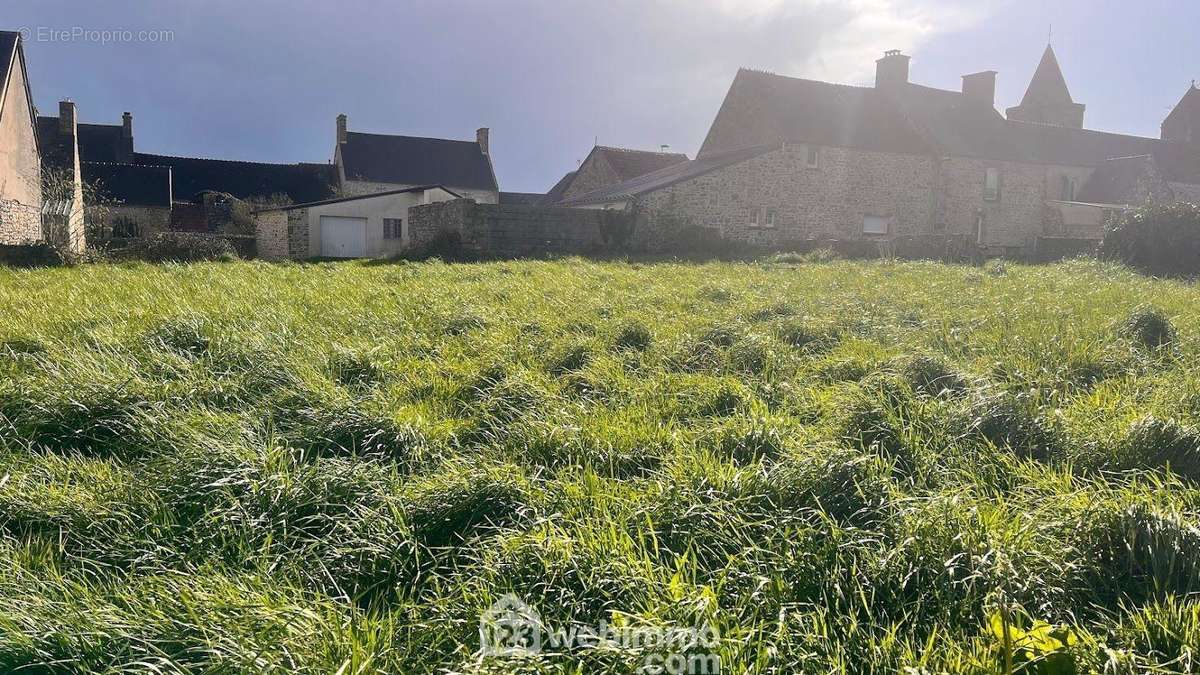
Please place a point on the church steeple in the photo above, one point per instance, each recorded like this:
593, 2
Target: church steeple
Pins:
1047, 100
1183, 124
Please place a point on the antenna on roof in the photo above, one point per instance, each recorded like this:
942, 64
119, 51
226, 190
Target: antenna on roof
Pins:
1050, 35
664, 147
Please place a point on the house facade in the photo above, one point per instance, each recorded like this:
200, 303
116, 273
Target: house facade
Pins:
788, 159
369, 163
606, 166
20, 160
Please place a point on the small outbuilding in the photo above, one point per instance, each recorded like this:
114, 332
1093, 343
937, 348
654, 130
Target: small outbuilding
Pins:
364, 226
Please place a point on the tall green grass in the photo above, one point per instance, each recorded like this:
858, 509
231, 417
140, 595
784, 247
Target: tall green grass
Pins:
842, 467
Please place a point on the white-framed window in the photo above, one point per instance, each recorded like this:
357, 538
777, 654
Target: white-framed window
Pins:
991, 184
755, 217
812, 156
393, 228
876, 224
769, 221
1068, 189
980, 228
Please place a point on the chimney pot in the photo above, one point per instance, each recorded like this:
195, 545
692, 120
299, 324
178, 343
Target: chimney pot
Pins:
481, 137
980, 88
341, 129
892, 70
67, 121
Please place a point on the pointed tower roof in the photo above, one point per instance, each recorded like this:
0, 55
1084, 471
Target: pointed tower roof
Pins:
1183, 124
1047, 100
1048, 86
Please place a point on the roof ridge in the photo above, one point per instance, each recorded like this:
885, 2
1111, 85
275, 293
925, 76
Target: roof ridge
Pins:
423, 138
148, 166
228, 161
645, 152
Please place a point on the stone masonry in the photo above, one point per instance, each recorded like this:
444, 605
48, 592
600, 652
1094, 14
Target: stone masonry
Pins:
494, 230
19, 224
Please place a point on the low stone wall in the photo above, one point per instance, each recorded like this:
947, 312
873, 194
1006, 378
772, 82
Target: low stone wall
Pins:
19, 223
271, 235
513, 231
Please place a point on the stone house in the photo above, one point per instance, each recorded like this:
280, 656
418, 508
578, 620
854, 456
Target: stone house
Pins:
367, 163
20, 160
789, 158
606, 166
370, 225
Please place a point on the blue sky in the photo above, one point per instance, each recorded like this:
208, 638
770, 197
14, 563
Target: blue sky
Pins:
264, 80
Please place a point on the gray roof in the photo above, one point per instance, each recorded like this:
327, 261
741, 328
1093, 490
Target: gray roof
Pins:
244, 180
667, 177
627, 163
554, 195
130, 184
410, 160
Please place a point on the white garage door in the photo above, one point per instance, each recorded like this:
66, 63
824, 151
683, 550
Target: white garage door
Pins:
343, 237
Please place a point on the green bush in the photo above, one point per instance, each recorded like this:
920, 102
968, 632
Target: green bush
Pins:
1163, 240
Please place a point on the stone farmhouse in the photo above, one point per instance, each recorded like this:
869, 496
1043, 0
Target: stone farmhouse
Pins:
794, 159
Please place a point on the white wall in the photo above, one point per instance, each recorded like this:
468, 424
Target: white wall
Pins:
374, 209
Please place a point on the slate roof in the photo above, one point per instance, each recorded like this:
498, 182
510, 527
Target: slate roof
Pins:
628, 163
97, 142
12, 53
668, 176
190, 176
411, 160
130, 184
555, 194
765, 108
1048, 86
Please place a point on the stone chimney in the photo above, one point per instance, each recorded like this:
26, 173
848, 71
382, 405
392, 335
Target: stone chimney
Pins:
341, 129
980, 88
892, 70
481, 137
125, 151
67, 121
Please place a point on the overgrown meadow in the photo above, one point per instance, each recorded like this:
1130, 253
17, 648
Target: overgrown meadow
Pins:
838, 467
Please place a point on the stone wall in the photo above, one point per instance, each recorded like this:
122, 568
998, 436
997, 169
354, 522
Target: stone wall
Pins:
509, 231
299, 246
1011, 221
148, 220
828, 201
271, 235
593, 174
20, 224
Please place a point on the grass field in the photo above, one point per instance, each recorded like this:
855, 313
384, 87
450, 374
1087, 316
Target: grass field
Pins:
836, 467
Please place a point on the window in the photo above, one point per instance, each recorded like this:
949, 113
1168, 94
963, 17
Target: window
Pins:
991, 185
125, 228
812, 157
1068, 189
754, 220
980, 224
393, 228
769, 222
876, 224
714, 199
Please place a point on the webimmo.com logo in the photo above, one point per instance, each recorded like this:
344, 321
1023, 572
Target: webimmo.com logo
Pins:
511, 628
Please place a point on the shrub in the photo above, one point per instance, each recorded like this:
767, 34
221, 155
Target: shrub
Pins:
180, 247
1148, 326
1162, 240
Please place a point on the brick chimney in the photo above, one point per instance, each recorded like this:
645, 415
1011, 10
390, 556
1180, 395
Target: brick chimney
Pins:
341, 129
67, 120
892, 70
125, 151
980, 88
481, 137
